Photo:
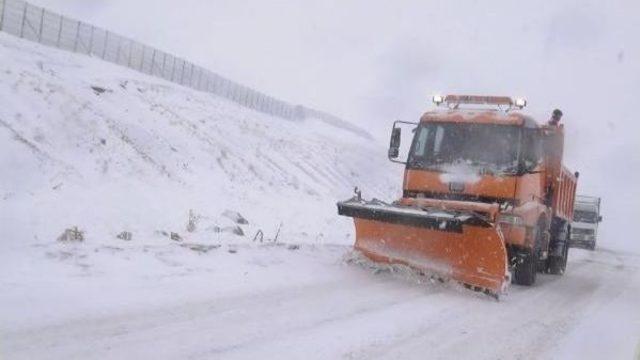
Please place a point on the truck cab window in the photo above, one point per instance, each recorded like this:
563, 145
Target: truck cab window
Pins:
421, 142
531, 150
438, 140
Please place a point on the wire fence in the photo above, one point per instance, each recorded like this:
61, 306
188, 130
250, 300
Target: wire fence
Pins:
37, 24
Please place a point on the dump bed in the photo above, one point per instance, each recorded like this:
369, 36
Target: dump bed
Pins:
564, 194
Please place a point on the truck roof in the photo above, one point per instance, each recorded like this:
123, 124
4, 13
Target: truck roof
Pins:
481, 116
587, 200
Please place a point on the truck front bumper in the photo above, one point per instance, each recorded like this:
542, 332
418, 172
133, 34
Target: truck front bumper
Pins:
582, 241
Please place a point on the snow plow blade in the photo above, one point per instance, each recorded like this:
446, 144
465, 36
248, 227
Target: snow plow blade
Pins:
458, 245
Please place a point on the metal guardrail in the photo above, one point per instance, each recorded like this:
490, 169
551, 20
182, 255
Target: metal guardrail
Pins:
38, 24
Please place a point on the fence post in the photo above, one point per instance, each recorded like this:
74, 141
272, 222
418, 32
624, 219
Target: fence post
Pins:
130, 55
142, 58
164, 64
217, 84
173, 68
59, 31
93, 28
104, 44
182, 73
75, 43
193, 77
174, 71
199, 78
24, 16
2, 14
153, 60
41, 25
187, 76
118, 49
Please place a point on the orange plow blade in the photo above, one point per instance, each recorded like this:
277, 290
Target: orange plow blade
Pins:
456, 245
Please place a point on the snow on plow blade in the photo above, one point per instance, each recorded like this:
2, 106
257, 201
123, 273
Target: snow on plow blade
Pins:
461, 246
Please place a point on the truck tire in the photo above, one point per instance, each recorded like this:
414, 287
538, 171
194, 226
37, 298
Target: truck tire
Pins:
557, 264
525, 272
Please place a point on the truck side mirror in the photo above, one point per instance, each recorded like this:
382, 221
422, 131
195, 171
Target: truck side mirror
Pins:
599, 218
394, 144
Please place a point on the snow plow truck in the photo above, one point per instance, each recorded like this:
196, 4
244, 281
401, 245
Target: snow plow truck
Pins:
486, 199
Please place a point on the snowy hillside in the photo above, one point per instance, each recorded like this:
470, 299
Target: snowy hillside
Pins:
93, 145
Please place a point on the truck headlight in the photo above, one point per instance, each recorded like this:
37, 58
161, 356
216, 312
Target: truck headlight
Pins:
510, 219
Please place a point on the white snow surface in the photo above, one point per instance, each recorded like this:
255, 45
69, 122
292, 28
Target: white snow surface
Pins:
153, 158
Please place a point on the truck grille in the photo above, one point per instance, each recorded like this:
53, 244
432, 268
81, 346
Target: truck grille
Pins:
579, 231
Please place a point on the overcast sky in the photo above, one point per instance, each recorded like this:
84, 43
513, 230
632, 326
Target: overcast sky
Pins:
375, 61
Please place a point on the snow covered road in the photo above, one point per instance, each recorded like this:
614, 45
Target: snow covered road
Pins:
328, 309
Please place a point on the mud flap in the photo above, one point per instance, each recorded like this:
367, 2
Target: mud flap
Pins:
457, 245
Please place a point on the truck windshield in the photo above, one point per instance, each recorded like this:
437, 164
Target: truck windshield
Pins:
482, 147
585, 216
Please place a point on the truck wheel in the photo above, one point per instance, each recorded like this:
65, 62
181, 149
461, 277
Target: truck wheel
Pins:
558, 264
525, 272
